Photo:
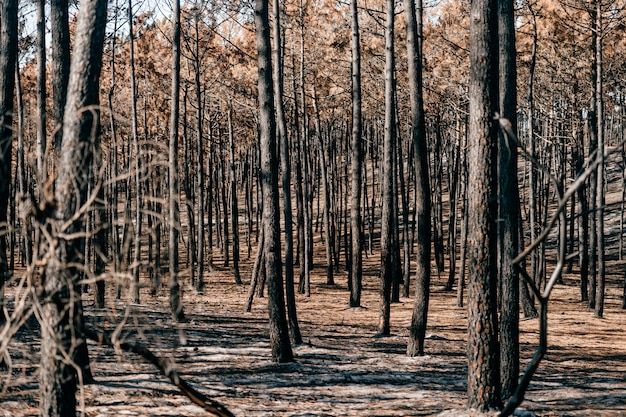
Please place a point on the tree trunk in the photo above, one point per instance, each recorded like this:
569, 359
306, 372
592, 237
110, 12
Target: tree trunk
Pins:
509, 210
328, 241
285, 166
417, 329
8, 63
234, 206
60, 66
386, 234
279, 333
135, 141
174, 193
27, 232
199, 167
41, 93
356, 249
483, 351
62, 315
601, 275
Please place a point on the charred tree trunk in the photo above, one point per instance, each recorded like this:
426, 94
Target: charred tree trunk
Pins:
386, 235
8, 63
509, 210
279, 333
483, 351
417, 329
60, 65
199, 166
62, 327
234, 206
137, 162
601, 275
41, 93
174, 193
283, 139
328, 241
356, 227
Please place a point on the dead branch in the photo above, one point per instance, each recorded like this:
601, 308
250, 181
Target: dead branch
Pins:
167, 369
562, 199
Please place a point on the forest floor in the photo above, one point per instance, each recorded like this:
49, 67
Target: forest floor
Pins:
341, 369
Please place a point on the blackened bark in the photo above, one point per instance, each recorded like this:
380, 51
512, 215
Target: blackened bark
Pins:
417, 330
59, 69
174, 193
279, 333
356, 228
8, 62
483, 351
41, 90
386, 238
137, 161
328, 237
62, 327
509, 213
600, 263
285, 166
234, 206
199, 166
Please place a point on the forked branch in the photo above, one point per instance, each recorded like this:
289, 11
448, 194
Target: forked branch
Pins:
559, 214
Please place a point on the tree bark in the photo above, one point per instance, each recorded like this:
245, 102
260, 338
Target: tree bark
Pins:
60, 65
600, 263
174, 193
41, 93
356, 249
386, 237
62, 315
137, 161
279, 334
483, 351
8, 62
328, 239
199, 166
417, 329
285, 166
234, 206
509, 210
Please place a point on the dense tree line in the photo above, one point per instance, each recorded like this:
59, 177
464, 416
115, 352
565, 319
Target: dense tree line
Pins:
306, 133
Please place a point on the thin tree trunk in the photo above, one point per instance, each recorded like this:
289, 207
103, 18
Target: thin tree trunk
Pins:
328, 242
199, 167
306, 166
386, 243
41, 93
174, 194
356, 227
509, 210
283, 139
135, 140
59, 69
234, 209
192, 259
8, 63
601, 276
417, 329
27, 232
115, 229
279, 333
256, 273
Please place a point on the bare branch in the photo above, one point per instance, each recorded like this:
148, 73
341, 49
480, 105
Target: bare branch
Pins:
167, 369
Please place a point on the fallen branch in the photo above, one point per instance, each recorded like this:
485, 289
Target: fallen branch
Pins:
166, 367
